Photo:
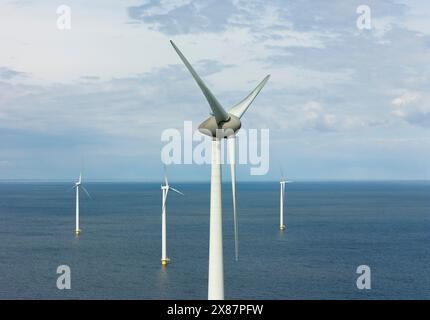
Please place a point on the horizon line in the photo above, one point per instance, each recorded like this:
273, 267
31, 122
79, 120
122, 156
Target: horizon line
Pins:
122, 180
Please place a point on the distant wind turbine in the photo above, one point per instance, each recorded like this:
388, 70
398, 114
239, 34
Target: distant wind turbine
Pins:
165, 189
78, 185
221, 124
281, 204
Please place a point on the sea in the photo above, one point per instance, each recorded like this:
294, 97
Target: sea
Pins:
332, 228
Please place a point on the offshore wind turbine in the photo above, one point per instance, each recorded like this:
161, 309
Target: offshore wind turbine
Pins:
282, 183
78, 185
165, 189
221, 124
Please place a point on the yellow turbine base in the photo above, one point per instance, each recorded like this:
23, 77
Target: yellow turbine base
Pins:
282, 227
164, 262
77, 232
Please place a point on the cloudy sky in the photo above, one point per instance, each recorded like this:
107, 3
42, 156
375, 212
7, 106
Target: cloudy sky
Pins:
342, 102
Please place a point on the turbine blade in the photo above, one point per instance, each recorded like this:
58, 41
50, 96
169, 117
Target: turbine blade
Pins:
239, 109
232, 154
165, 175
282, 173
217, 110
85, 190
177, 191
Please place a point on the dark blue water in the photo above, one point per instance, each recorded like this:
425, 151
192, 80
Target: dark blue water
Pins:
331, 229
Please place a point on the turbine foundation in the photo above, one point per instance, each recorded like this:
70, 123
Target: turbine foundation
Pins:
164, 262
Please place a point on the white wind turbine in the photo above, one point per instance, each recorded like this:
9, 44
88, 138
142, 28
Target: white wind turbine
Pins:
282, 183
221, 124
78, 185
165, 189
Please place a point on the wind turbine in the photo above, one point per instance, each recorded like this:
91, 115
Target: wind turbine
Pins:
165, 189
78, 185
281, 203
221, 124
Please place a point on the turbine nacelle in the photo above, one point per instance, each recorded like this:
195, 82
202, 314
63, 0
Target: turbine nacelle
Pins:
285, 181
223, 129
79, 182
166, 185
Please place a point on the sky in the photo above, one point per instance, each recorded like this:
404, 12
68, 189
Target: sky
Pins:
342, 103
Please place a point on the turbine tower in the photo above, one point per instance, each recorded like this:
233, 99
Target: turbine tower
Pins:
281, 204
78, 185
221, 124
165, 189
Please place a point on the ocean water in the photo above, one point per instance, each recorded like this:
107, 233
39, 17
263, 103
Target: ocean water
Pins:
332, 227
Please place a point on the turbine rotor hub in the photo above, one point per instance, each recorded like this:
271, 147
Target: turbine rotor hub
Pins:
224, 129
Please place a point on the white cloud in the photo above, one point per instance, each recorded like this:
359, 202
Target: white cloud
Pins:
310, 116
418, 17
318, 118
164, 6
413, 107
381, 26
